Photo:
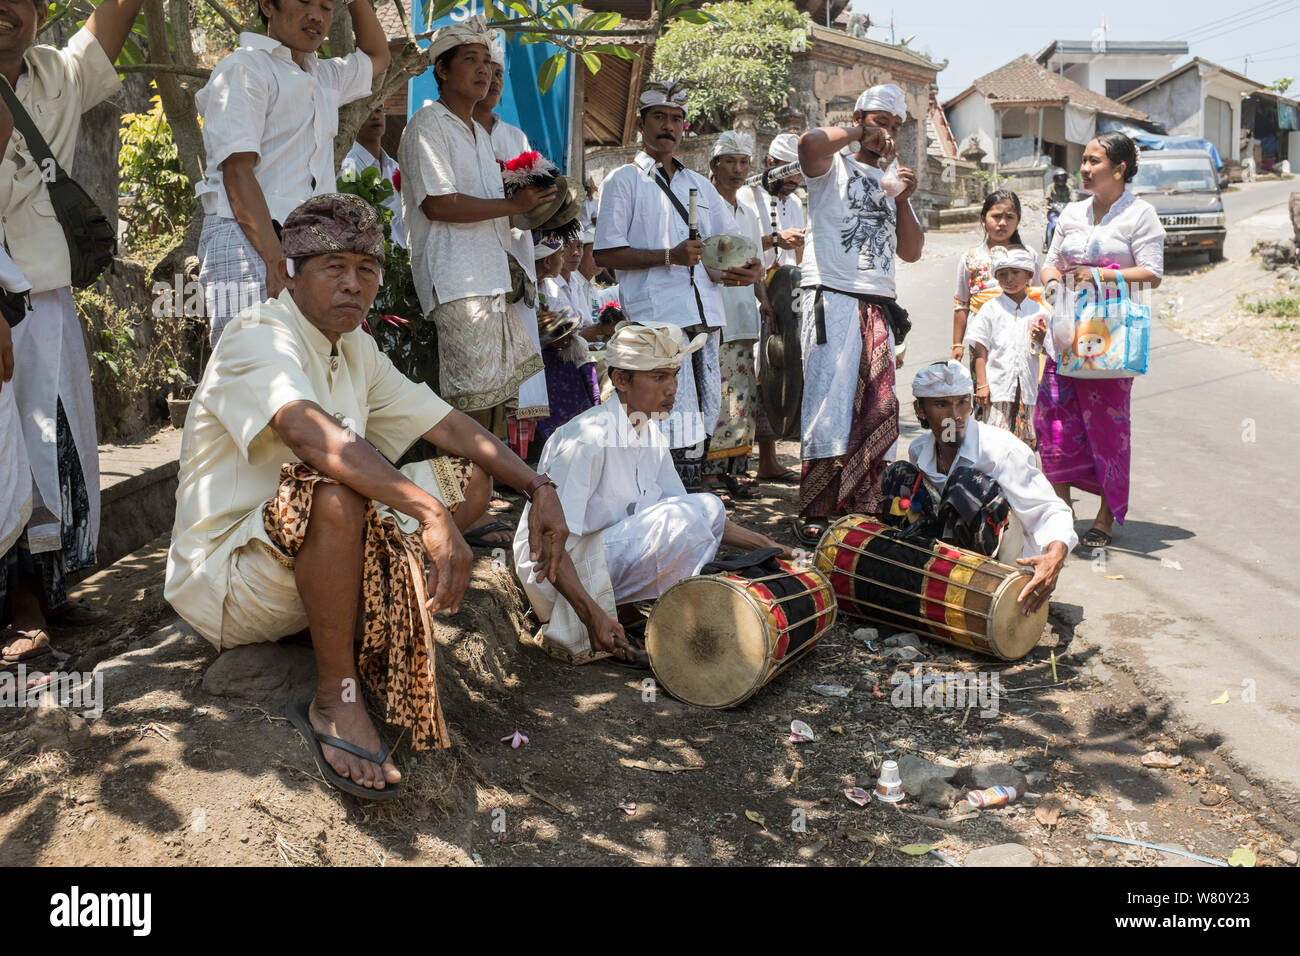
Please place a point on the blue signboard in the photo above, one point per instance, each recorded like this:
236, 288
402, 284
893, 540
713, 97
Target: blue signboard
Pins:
546, 120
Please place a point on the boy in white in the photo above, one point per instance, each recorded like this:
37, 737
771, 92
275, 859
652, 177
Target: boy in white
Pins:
783, 239
270, 111
367, 153
633, 529
642, 233
1006, 339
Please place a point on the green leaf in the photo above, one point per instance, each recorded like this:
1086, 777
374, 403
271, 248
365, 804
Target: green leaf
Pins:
443, 7
697, 16
612, 49
551, 69
592, 61
1241, 856
916, 849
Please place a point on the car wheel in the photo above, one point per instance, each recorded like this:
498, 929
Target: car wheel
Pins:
1216, 254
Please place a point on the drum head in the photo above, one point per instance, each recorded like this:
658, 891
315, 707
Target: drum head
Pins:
707, 642
1011, 634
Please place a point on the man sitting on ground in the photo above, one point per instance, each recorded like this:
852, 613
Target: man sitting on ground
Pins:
942, 401
284, 459
634, 531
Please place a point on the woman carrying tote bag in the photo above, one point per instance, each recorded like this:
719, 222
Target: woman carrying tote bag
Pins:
1083, 425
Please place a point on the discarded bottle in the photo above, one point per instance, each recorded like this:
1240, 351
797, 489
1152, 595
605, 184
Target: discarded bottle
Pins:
992, 797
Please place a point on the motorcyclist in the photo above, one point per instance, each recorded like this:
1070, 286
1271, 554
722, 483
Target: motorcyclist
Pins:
1060, 193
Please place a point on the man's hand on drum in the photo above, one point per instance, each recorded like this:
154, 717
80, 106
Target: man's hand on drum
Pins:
747, 274
1046, 568
733, 535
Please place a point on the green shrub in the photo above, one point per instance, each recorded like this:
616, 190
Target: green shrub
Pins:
149, 170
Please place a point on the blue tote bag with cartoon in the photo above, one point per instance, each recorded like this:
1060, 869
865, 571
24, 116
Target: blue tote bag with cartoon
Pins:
1112, 334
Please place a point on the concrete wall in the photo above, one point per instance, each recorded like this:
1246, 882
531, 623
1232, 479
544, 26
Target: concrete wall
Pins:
1094, 73
1177, 104
973, 115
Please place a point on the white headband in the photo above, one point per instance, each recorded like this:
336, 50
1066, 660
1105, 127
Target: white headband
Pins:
1012, 258
733, 143
784, 148
662, 93
887, 98
942, 380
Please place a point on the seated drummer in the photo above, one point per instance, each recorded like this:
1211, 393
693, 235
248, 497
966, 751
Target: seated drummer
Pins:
284, 459
634, 531
942, 400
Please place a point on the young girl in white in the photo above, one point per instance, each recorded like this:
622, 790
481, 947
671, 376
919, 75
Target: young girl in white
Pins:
1000, 216
1006, 337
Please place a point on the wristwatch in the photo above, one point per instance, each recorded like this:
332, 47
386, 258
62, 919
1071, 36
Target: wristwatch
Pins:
532, 487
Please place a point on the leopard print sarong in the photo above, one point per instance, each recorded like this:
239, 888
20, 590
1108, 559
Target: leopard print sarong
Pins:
396, 660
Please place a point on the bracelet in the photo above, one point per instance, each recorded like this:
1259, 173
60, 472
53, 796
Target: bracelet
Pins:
958, 345
668, 258
536, 484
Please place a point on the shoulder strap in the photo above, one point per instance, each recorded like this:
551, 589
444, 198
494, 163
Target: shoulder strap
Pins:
24, 124
677, 203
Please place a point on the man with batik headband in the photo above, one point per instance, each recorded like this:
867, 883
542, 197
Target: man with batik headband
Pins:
727, 463
634, 528
290, 517
986, 464
859, 222
270, 112
779, 206
642, 232
457, 220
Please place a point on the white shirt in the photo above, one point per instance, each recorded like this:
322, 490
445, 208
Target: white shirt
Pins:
583, 296
439, 156
1128, 235
558, 294
590, 212
789, 215
508, 141
1002, 327
1008, 461
739, 304
360, 159
634, 212
57, 87
258, 100
605, 470
853, 241
15, 471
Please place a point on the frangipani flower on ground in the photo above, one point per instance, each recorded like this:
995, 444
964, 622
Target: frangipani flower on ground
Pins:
515, 739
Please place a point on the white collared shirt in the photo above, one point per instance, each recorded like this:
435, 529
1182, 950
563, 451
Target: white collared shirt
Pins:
1128, 235
258, 100
739, 303
635, 213
441, 155
1008, 461
789, 215
360, 159
1002, 327
508, 141
55, 89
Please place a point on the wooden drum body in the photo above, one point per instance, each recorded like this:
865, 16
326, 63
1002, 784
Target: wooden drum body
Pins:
715, 639
928, 587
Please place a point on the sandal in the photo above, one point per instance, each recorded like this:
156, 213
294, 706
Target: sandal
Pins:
1095, 538
75, 613
474, 537
298, 715
809, 532
37, 636
786, 477
738, 489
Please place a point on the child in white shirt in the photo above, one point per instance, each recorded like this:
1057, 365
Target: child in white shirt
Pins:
1006, 337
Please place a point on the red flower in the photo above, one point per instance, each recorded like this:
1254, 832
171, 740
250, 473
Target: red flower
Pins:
396, 320
397, 179
523, 161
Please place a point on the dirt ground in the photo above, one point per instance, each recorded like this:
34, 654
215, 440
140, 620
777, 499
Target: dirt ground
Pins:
172, 773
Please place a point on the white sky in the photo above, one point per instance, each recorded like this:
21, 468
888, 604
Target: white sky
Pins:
978, 37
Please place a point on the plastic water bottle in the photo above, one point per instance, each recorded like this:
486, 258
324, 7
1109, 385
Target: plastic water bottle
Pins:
890, 182
992, 797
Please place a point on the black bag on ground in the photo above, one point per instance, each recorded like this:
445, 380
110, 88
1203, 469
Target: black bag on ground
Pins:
92, 241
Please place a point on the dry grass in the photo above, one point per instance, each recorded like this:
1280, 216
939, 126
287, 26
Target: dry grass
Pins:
37, 771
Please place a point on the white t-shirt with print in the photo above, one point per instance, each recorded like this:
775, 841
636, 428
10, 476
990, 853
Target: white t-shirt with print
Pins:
852, 240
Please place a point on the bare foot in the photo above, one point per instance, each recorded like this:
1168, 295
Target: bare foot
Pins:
350, 722
26, 641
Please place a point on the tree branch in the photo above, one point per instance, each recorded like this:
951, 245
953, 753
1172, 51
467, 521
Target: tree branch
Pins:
225, 15
168, 69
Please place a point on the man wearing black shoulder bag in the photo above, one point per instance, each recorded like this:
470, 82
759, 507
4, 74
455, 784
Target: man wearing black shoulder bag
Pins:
58, 239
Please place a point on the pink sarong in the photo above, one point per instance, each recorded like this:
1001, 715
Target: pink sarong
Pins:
1084, 434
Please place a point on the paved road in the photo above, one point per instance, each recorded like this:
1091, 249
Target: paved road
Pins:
1246, 200
1213, 489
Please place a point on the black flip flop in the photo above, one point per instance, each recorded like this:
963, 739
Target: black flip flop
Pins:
806, 538
1095, 538
787, 477
299, 716
474, 536
739, 491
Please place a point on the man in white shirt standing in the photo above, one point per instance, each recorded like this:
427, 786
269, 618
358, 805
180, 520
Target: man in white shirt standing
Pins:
643, 234
367, 153
850, 311
457, 220
270, 111
781, 213
942, 401
634, 530
51, 373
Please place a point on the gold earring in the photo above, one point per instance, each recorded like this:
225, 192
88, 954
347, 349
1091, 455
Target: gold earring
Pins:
1118, 175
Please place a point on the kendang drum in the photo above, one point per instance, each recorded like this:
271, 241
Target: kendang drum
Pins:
715, 639
928, 587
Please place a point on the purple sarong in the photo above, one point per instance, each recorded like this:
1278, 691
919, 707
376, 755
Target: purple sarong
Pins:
1084, 434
